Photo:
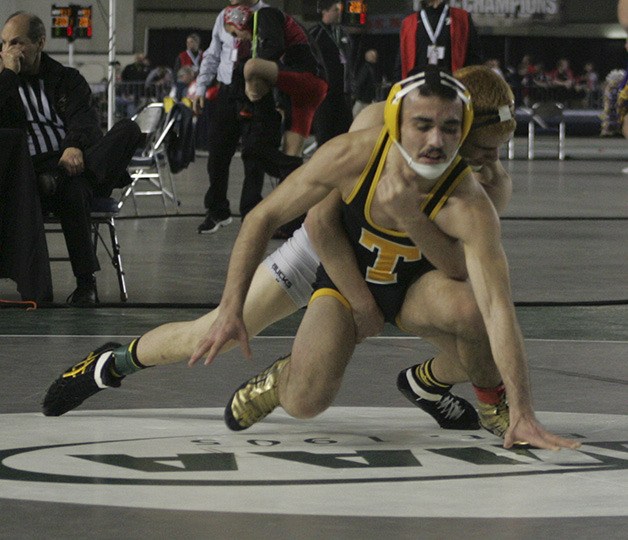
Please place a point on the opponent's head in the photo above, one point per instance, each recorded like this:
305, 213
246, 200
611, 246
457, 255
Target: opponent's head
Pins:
237, 21
494, 114
428, 116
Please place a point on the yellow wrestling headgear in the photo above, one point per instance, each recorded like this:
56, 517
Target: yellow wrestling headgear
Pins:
432, 78
431, 82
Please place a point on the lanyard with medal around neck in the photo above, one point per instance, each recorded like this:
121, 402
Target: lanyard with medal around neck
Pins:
434, 53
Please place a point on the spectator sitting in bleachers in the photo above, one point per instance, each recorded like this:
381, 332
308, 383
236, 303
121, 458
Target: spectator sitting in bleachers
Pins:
525, 74
562, 82
184, 87
138, 70
159, 82
125, 99
589, 82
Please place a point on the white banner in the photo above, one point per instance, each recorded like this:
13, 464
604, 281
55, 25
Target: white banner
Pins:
493, 12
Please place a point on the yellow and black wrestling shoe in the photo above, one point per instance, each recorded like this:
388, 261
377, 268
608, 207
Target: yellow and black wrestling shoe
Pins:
256, 398
82, 380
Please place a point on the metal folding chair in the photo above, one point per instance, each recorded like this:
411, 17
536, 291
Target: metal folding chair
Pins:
547, 114
150, 165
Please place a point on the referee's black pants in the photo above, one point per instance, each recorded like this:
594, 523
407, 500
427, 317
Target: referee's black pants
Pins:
105, 169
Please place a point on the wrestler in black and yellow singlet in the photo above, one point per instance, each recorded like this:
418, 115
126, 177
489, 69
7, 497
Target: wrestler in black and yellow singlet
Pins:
388, 259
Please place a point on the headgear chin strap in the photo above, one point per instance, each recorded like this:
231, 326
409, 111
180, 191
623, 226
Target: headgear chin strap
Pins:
430, 172
392, 115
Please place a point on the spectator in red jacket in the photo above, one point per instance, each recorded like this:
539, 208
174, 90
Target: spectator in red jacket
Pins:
439, 35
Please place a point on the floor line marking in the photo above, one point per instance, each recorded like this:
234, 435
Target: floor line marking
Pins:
133, 336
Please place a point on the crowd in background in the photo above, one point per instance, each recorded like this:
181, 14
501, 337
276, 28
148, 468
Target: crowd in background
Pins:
531, 79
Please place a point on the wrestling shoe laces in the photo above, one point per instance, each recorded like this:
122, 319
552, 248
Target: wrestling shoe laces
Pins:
450, 407
449, 410
256, 398
80, 381
495, 418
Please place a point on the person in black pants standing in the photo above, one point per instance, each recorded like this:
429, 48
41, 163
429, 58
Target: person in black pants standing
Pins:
334, 116
226, 126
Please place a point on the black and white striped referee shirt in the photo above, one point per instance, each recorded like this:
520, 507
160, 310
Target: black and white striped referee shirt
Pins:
45, 129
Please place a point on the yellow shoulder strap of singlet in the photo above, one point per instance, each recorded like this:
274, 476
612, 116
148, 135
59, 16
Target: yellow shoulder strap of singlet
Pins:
380, 140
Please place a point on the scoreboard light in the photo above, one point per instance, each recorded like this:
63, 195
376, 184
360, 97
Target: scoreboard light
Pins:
60, 21
71, 22
354, 13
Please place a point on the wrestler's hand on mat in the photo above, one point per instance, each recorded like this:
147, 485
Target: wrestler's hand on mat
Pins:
367, 318
525, 429
225, 328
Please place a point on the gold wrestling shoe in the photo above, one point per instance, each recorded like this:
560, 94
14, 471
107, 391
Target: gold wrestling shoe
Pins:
495, 418
256, 398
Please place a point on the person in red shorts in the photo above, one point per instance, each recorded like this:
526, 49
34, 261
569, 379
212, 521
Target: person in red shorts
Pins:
280, 56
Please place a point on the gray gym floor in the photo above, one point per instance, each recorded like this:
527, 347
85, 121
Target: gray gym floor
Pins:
153, 458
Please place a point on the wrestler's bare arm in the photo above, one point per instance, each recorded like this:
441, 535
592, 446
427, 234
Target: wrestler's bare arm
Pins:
369, 117
497, 183
471, 217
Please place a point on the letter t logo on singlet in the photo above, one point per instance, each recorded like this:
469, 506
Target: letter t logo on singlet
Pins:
388, 255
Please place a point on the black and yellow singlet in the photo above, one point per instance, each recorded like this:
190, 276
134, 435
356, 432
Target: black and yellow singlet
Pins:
388, 259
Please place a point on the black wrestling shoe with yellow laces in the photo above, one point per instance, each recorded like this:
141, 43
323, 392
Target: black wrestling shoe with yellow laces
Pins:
83, 380
256, 398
